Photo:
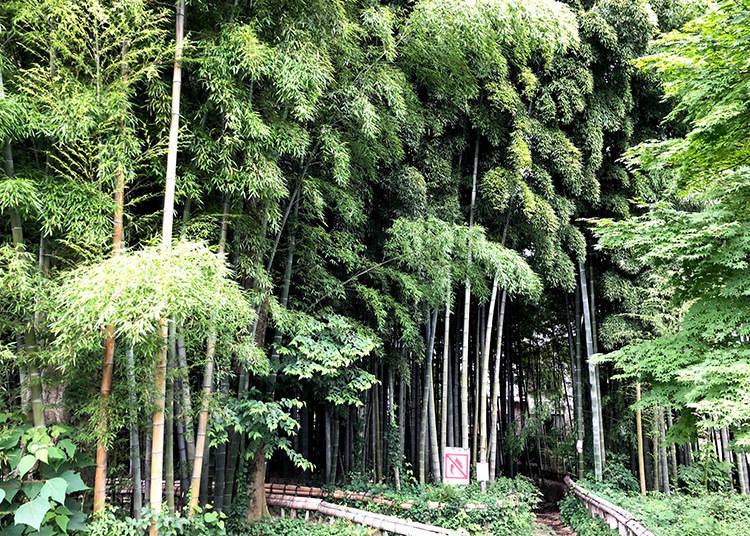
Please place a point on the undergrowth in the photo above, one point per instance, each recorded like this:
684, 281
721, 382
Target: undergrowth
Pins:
507, 509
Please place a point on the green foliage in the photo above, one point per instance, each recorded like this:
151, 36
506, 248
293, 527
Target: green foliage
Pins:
720, 514
705, 475
575, 515
131, 292
201, 523
505, 510
41, 488
287, 526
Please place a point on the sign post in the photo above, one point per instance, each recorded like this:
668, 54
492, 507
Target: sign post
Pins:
456, 466
483, 475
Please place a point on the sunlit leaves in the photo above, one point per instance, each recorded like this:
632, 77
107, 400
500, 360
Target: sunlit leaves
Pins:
131, 292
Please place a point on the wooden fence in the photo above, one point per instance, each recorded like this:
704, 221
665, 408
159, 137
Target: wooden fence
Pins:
614, 516
384, 523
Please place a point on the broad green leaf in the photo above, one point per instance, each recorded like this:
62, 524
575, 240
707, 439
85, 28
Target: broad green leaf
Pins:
62, 522
74, 482
10, 438
55, 489
10, 488
32, 513
68, 446
26, 463
54, 453
2, 495
32, 489
13, 530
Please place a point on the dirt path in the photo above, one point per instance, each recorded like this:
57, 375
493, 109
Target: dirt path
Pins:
549, 523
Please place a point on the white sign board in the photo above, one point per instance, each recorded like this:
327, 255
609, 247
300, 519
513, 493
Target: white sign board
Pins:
483, 472
456, 466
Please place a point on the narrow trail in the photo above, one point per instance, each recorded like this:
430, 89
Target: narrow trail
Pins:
548, 515
549, 523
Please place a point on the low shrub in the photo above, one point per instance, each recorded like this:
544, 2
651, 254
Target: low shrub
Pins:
680, 514
507, 509
575, 516
290, 527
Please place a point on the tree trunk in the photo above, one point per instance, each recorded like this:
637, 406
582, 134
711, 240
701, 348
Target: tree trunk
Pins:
258, 509
157, 442
595, 342
484, 391
434, 450
431, 327
208, 379
446, 380
135, 440
467, 303
496, 387
186, 406
593, 372
639, 438
146, 464
663, 463
578, 379
169, 422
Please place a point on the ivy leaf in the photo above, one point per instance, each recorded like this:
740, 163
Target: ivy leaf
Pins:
68, 446
62, 522
32, 489
55, 489
10, 488
32, 513
10, 439
74, 481
26, 463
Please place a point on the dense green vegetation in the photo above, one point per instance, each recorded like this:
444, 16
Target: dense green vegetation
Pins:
322, 241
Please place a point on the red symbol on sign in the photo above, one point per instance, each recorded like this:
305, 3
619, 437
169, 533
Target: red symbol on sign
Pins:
456, 466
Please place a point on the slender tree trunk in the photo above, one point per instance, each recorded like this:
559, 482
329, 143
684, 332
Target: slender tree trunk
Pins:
595, 341
580, 427
655, 450
208, 379
186, 405
467, 303
401, 429
147, 464
663, 463
639, 439
336, 428
205, 468
445, 382
672, 449
219, 476
496, 387
434, 449
728, 458
431, 326
484, 391
157, 442
394, 425
328, 446
377, 432
135, 441
593, 374
181, 446
169, 422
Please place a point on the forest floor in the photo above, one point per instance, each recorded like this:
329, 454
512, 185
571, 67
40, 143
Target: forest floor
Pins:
548, 520
549, 523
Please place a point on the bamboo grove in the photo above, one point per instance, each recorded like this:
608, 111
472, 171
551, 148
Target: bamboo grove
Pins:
326, 240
